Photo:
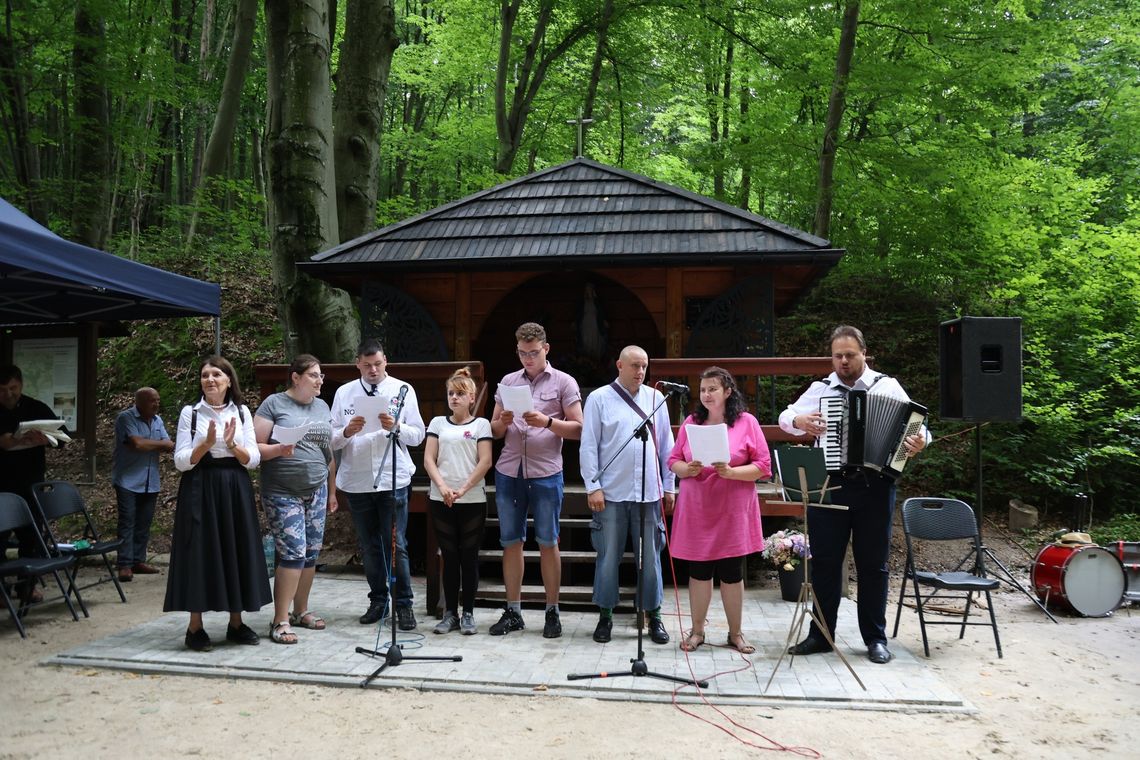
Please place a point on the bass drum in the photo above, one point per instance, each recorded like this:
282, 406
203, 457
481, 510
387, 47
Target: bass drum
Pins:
1086, 579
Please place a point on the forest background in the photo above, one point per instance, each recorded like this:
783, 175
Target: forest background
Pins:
974, 158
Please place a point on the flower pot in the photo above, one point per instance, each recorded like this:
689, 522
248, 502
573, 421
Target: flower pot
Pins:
790, 583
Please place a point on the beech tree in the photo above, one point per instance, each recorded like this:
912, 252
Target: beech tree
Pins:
302, 180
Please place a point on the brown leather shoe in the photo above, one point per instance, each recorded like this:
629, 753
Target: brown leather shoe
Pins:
142, 568
126, 575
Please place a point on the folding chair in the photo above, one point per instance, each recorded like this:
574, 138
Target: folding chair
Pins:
57, 499
14, 513
935, 519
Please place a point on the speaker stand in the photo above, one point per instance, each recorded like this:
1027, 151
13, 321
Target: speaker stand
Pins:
1000, 572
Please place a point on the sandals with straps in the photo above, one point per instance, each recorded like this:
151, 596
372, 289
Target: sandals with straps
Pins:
692, 641
315, 621
281, 633
740, 644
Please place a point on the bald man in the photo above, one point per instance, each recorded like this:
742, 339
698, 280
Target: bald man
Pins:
140, 438
626, 499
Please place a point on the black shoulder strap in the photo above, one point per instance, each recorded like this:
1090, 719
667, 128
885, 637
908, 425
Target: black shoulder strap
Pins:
194, 420
625, 397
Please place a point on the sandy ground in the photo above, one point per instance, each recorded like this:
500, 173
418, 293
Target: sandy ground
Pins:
1068, 690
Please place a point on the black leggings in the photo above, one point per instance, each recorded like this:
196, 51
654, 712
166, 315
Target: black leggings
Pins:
728, 569
459, 530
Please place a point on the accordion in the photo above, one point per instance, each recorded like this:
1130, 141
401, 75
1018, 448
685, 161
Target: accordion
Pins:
869, 430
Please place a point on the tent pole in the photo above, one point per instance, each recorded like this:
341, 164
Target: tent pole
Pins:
218, 335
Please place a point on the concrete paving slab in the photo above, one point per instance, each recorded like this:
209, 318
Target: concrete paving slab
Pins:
525, 663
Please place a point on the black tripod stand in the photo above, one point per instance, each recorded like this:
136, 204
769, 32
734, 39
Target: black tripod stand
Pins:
394, 655
1001, 572
638, 667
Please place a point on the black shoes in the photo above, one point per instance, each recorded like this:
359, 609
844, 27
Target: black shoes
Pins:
553, 627
374, 614
198, 640
405, 619
243, 634
810, 645
878, 653
604, 631
657, 632
510, 621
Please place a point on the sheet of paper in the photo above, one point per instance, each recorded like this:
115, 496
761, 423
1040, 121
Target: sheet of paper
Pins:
370, 408
50, 428
44, 426
516, 398
709, 443
289, 435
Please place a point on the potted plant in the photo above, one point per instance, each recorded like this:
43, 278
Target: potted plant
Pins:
786, 551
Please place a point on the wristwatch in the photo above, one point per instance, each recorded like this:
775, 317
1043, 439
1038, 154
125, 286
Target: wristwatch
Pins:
549, 422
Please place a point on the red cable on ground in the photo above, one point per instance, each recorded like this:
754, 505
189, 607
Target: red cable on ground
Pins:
775, 745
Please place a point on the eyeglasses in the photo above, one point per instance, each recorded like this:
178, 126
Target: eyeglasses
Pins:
529, 354
377, 366
315, 375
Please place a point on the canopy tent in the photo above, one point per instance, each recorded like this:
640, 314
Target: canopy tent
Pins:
45, 279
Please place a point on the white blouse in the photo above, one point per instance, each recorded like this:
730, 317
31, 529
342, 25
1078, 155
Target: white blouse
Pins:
243, 436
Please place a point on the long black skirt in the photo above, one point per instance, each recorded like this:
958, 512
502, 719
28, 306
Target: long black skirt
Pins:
216, 557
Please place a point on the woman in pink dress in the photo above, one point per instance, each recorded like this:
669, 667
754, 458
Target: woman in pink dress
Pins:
717, 520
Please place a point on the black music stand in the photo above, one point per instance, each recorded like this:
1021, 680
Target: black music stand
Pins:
394, 654
638, 668
805, 604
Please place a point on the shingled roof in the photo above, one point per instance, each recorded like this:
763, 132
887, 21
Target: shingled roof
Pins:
577, 214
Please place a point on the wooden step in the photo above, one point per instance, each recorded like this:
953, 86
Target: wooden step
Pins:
569, 596
489, 555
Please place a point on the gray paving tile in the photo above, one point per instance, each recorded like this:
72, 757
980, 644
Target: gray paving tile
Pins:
525, 663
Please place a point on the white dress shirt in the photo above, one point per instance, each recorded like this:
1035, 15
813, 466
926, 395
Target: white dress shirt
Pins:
607, 422
360, 460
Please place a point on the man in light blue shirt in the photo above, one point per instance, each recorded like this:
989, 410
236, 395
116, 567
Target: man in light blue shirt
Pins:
140, 437
626, 498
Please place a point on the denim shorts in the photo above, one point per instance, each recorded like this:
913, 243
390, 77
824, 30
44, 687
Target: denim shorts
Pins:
514, 497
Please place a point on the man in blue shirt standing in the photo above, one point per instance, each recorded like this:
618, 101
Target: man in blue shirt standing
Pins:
620, 505
140, 437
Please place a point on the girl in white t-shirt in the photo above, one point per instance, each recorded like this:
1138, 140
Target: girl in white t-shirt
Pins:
457, 456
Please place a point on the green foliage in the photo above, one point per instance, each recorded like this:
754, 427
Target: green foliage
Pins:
1121, 527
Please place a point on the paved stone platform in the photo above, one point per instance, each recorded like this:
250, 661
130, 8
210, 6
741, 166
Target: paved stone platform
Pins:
525, 663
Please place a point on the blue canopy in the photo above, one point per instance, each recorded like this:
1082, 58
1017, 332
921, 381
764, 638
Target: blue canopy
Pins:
46, 279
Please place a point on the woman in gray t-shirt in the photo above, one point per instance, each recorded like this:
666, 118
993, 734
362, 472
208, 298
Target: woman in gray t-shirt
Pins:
297, 490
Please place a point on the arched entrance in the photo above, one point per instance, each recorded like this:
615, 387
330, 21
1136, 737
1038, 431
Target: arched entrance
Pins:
588, 318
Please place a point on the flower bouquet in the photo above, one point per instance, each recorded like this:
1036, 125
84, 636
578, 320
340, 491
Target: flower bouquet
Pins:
785, 549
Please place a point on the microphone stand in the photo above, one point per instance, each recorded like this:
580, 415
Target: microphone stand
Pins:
394, 654
638, 667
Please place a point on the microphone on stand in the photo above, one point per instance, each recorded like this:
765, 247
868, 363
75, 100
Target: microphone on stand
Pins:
396, 407
677, 388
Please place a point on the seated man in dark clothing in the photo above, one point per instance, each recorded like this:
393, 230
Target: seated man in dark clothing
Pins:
22, 460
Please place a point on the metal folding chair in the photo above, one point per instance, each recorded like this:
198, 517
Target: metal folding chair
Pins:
937, 519
14, 514
58, 499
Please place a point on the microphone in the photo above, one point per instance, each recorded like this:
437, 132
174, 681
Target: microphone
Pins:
396, 405
673, 387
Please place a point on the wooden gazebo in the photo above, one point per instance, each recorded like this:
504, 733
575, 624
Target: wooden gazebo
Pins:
601, 256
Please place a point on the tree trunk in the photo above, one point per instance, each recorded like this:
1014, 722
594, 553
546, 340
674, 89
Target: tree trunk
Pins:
596, 67
25, 152
92, 140
510, 120
358, 111
302, 184
825, 188
225, 120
